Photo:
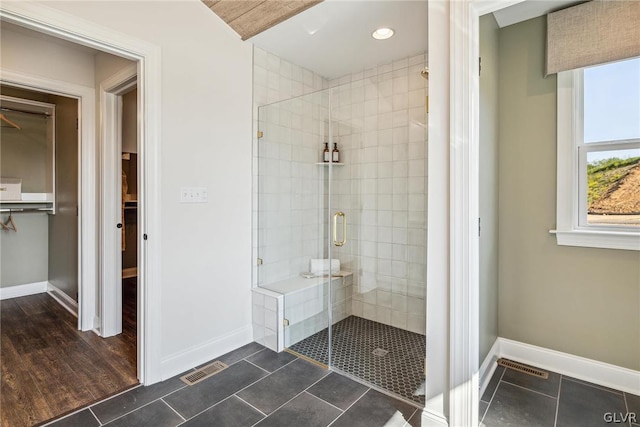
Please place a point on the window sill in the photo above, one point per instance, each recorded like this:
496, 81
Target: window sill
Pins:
629, 241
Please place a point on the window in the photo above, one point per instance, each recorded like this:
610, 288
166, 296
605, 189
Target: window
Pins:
599, 156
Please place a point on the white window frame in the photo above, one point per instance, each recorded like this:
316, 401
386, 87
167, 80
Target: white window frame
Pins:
571, 220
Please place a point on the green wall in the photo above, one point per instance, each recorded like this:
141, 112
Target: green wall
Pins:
581, 301
489, 81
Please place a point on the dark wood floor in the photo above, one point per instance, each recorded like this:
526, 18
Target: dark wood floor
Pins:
49, 368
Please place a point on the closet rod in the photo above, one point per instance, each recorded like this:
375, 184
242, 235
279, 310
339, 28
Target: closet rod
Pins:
25, 210
37, 113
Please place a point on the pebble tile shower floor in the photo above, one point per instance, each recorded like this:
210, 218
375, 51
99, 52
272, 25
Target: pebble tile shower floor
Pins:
355, 339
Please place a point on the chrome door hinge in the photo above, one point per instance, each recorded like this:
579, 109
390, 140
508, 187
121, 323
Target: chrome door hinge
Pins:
259, 262
285, 322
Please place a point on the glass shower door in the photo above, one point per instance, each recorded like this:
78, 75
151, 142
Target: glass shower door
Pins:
379, 310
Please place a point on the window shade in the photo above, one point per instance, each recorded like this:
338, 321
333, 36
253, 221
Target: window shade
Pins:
592, 33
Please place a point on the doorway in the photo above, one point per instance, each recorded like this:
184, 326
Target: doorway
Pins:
49, 365
129, 202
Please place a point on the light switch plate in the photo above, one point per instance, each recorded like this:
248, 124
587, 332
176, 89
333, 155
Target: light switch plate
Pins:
194, 195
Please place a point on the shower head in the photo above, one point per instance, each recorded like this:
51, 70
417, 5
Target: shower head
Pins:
425, 73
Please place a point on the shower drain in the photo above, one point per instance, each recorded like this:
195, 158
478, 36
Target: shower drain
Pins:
380, 352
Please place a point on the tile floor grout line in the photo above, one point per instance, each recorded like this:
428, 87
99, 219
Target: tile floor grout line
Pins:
592, 385
262, 378
265, 415
260, 367
525, 388
231, 364
115, 395
323, 401
132, 411
626, 406
493, 394
251, 355
555, 420
173, 409
207, 408
95, 416
314, 383
70, 414
406, 423
354, 402
174, 391
284, 366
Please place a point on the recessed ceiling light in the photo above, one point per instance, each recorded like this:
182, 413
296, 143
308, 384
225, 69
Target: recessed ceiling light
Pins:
382, 33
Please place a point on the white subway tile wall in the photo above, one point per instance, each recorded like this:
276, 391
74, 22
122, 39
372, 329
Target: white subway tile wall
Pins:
379, 122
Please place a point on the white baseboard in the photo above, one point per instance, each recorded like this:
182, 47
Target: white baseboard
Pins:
489, 366
197, 355
429, 419
96, 324
593, 371
63, 299
23, 290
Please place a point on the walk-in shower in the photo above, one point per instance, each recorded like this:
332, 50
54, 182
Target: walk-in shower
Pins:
367, 212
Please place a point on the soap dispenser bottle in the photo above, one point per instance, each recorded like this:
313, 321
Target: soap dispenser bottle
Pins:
326, 153
335, 154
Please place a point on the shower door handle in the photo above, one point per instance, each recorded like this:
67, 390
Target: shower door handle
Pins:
337, 242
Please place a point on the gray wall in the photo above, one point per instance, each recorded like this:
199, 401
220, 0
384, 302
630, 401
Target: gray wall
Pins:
582, 301
130, 122
26, 153
24, 255
489, 79
63, 226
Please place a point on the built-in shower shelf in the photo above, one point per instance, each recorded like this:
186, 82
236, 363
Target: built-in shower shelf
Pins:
327, 164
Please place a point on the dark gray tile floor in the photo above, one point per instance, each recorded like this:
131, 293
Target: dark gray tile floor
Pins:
516, 399
259, 388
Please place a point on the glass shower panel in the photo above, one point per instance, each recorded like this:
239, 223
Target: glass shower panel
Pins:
379, 311
291, 216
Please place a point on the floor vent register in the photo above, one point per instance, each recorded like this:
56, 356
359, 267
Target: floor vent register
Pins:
523, 368
203, 373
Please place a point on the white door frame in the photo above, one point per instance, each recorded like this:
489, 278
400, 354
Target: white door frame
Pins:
87, 246
111, 91
39, 17
454, 141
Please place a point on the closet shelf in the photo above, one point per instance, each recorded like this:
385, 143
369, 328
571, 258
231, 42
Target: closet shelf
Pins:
25, 202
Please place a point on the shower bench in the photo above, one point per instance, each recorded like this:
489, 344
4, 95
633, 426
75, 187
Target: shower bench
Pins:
290, 310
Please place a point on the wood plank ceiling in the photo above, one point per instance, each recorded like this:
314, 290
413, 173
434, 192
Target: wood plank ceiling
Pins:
251, 17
